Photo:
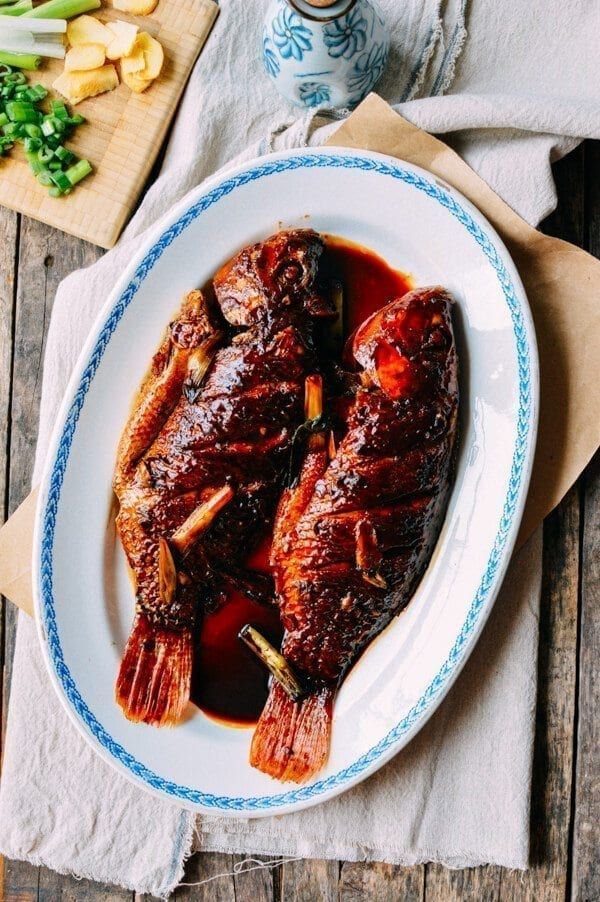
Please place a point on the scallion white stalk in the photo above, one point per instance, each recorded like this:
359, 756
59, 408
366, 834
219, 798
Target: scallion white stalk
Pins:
36, 26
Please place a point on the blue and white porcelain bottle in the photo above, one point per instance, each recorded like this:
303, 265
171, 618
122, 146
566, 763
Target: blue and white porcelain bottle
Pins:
324, 53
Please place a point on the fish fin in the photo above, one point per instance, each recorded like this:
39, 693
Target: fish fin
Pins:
153, 685
291, 740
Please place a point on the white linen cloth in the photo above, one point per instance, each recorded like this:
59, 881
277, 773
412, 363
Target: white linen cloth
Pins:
524, 89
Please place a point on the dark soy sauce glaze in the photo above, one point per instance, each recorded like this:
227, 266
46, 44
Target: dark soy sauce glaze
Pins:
228, 682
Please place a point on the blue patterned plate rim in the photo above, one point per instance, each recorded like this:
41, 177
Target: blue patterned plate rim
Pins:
161, 237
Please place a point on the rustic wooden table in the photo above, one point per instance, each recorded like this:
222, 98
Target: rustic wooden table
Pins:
566, 791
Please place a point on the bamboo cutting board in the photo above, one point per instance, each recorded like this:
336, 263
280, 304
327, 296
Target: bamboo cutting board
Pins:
122, 135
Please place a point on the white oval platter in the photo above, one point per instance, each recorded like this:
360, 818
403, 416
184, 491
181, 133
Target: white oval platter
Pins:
84, 600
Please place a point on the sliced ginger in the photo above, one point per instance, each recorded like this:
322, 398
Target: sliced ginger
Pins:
136, 82
83, 57
88, 30
122, 43
135, 62
153, 54
87, 72
78, 86
143, 65
135, 7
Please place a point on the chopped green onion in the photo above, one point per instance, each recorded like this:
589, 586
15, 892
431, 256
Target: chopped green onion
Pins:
20, 60
59, 110
62, 9
61, 180
78, 171
15, 78
32, 131
34, 163
22, 112
16, 9
64, 155
42, 134
45, 154
47, 127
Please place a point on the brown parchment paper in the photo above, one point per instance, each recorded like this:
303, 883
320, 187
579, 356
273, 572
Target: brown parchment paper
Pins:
563, 287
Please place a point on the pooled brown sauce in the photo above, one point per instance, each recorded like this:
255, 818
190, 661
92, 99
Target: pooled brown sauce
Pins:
228, 682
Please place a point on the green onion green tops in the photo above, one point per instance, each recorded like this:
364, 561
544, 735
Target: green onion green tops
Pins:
42, 134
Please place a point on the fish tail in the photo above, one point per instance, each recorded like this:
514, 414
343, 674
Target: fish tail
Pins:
291, 740
153, 685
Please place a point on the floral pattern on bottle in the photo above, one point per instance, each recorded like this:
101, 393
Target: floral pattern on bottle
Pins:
324, 61
289, 34
313, 94
347, 35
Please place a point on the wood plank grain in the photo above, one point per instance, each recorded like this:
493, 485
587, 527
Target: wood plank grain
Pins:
20, 882
257, 884
585, 883
9, 226
364, 882
55, 887
309, 880
444, 885
585, 875
210, 876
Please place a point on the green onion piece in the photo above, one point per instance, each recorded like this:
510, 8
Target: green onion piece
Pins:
54, 165
47, 127
76, 119
21, 112
28, 94
64, 154
60, 111
44, 178
15, 78
61, 180
32, 145
20, 60
45, 154
34, 163
78, 171
32, 131
54, 191
62, 9
3, 119
17, 9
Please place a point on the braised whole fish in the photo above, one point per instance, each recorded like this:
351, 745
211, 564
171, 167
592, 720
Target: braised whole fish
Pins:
353, 536
200, 461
